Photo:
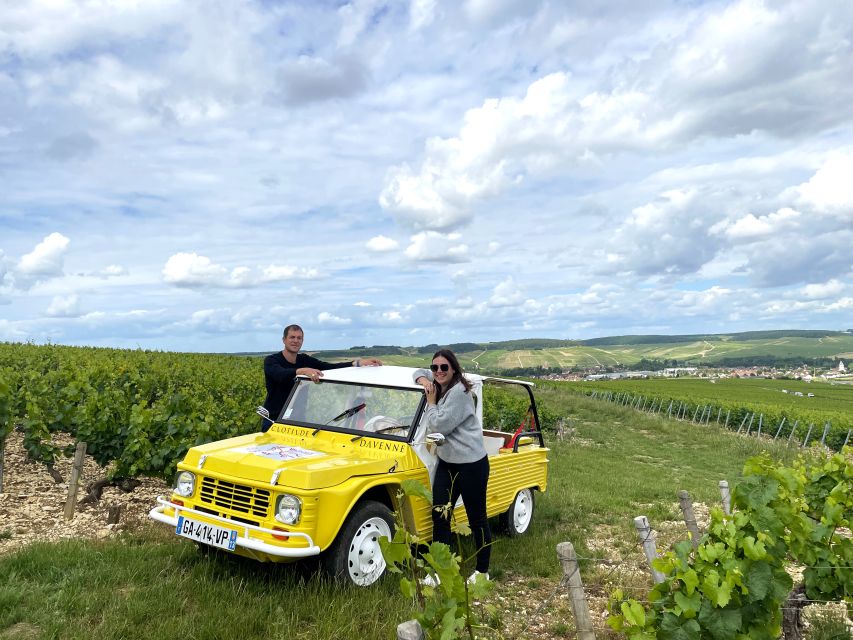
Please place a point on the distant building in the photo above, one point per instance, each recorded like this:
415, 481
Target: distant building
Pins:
841, 367
676, 371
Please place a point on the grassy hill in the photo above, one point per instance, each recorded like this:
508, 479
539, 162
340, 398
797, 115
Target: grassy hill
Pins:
736, 349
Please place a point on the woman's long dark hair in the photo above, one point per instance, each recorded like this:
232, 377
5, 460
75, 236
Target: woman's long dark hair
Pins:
448, 355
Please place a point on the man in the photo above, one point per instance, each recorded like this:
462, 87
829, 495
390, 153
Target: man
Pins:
281, 369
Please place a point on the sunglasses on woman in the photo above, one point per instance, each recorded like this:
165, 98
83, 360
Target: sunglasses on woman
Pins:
436, 367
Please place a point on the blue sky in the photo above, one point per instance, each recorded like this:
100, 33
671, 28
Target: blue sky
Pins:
193, 176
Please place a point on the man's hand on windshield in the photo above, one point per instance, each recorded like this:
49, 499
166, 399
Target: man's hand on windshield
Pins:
367, 362
308, 372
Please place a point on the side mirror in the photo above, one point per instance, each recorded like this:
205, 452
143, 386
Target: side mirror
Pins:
437, 439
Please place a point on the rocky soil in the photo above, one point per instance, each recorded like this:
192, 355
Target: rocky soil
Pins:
32, 503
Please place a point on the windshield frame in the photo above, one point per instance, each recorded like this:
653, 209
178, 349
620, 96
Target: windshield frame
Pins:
360, 433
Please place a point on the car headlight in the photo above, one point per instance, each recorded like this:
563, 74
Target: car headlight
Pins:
185, 483
288, 508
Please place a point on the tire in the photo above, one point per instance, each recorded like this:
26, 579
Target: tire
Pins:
355, 555
518, 517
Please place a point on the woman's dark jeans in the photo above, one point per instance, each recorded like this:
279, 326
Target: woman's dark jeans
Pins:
470, 480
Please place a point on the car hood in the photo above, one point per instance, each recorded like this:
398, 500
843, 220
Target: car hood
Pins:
257, 458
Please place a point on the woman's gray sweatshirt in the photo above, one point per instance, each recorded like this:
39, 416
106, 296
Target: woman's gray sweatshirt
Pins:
455, 418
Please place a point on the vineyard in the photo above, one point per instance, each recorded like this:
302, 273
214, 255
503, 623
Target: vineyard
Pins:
732, 402
139, 411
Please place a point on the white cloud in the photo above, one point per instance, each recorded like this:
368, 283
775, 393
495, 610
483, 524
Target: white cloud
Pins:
831, 188
830, 289
840, 305
113, 270
751, 227
421, 14
326, 318
46, 260
392, 316
361, 303
191, 270
506, 294
64, 307
431, 246
382, 244
276, 273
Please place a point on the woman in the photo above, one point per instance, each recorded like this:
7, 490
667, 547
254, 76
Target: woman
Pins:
463, 466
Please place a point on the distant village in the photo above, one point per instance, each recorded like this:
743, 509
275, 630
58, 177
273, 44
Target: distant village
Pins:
805, 373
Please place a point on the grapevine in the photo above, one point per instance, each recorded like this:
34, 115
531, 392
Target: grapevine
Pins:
735, 583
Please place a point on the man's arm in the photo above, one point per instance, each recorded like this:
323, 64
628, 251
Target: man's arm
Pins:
276, 371
314, 363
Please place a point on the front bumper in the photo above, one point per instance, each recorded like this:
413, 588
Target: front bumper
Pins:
243, 539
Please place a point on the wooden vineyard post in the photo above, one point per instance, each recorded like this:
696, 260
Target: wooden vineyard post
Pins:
728, 413
410, 630
847, 439
669, 411
726, 497
742, 422
76, 471
689, 519
760, 421
572, 576
2, 455
647, 538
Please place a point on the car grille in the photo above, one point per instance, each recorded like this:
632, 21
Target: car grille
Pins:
239, 498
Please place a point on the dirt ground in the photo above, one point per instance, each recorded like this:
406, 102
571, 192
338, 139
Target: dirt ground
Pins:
32, 503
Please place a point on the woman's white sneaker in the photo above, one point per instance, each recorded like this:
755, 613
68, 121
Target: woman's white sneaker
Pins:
473, 577
430, 580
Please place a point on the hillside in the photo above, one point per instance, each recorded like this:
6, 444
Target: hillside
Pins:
783, 347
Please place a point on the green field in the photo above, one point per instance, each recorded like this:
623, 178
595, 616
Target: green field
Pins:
735, 400
709, 350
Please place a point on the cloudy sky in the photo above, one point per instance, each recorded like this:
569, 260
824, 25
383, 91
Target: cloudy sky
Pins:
188, 175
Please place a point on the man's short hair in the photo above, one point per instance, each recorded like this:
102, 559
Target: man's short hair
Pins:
292, 327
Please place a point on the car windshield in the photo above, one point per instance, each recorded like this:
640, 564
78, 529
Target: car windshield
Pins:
362, 410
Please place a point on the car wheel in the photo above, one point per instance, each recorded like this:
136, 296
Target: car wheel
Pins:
355, 554
518, 517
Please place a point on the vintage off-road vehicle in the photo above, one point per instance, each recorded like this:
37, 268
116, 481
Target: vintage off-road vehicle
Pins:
325, 479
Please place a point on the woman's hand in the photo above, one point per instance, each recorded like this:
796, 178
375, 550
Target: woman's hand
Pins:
429, 389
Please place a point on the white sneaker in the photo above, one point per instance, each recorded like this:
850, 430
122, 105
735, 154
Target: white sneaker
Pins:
430, 580
473, 577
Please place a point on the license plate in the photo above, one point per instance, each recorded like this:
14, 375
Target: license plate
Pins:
210, 534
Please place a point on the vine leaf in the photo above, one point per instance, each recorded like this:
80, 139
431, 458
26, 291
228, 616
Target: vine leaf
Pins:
634, 613
673, 628
722, 624
758, 579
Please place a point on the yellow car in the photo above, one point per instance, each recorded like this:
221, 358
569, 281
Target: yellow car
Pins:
325, 478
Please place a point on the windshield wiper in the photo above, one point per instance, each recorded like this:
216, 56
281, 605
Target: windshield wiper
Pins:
349, 412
